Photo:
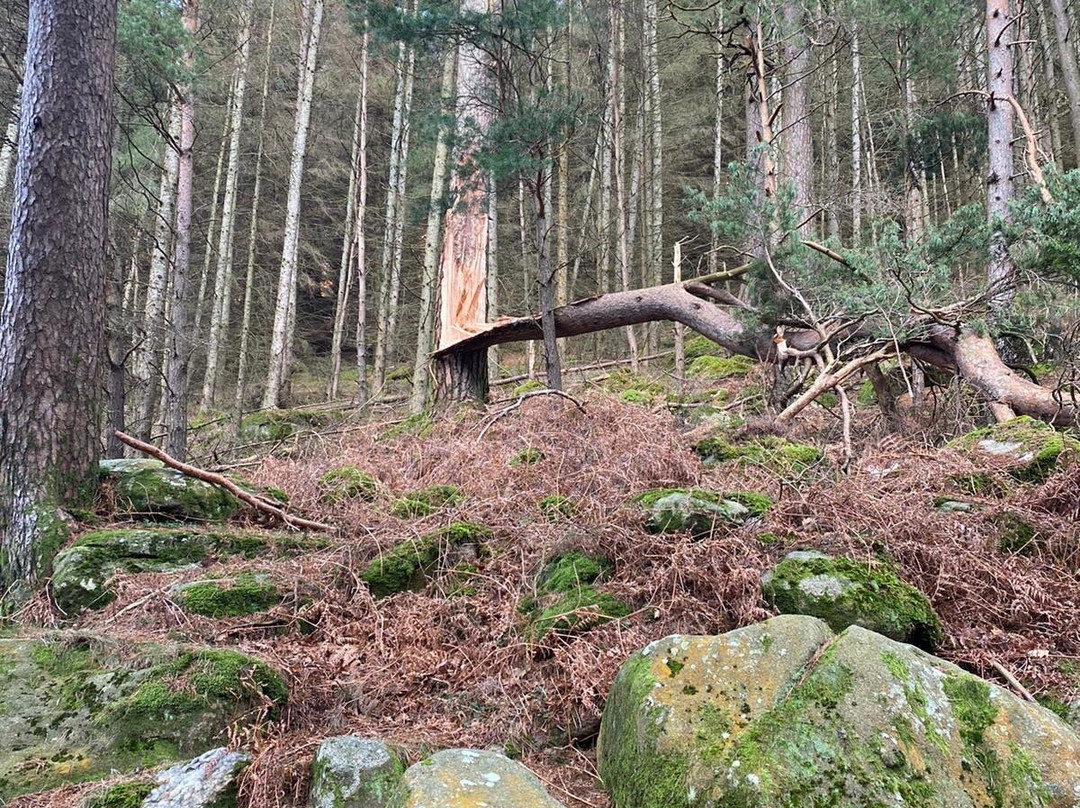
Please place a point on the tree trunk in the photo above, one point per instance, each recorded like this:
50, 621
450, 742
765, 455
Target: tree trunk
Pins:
10, 144
718, 141
243, 360
150, 335
493, 267
115, 350
51, 350
1070, 72
208, 247
179, 343
219, 320
1001, 273
798, 159
429, 283
284, 311
359, 232
617, 44
463, 306
656, 195
856, 138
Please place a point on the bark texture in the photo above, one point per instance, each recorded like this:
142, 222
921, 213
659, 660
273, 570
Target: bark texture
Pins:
52, 327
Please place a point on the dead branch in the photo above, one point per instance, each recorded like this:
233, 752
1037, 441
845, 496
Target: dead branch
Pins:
256, 502
521, 400
829, 380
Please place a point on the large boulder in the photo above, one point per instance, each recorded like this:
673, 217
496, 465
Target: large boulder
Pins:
843, 593
74, 709
785, 713
81, 572
469, 777
207, 781
147, 488
1032, 449
674, 510
408, 565
353, 772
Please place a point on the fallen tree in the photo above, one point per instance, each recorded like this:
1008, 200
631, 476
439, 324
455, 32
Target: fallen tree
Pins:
842, 347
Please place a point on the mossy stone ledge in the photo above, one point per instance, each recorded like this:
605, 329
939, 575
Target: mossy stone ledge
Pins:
785, 714
248, 593
1033, 449
844, 592
567, 600
774, 453
408, 565
699, 512
72, 710
425, 501
81, 572
147, 489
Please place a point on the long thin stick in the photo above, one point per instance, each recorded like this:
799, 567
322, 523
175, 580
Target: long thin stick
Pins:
295, 522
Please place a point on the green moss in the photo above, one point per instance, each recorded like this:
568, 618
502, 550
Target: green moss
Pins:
407, 565
528, 386
166, 493
640, 397
866, 396
853, 593
1016, 535
278, 425
122, 795
555, 506
771, 452
247, 594
625, 379
1041, 446
418, 426
529, 456
714, 368
1056, 705
347, 482
758, 504
571, 571
700, 346
669, 510
425, 501
577, 611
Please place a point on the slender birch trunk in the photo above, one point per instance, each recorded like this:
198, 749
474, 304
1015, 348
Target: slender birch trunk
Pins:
219, 321
359, 252
493, 268
1000, 273
617, 44
176, 413
429, 283
856, 139
562, 245
1070, 72
243, 360
150, 336
656, 218
718, 153
798, 152
211, 233
1050, 96
10, 144
344, 284
284, 313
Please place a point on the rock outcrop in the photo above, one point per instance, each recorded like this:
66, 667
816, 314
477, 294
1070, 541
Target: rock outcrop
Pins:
785, 714
469, 777
148, 489
354, 772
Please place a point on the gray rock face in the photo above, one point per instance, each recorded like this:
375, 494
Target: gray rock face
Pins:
469, 777
354, 772
698, 512
147, 488
208, 781
843, 592
784, 713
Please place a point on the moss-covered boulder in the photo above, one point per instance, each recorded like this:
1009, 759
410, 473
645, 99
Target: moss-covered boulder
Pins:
468, 778
408, 565
1034, 449
81, 572
353, 772
843, 593
210, 780
700, 346
277, 425
715, 368
425, 501
241, 595
566, 599
777, 454
673, 510
146, 488
785, 714
73, 710
347, 482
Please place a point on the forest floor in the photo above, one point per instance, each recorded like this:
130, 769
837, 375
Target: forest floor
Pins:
454, 665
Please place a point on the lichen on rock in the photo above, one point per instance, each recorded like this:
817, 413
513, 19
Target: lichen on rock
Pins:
1034, 449
353, 772
672, 510
843, 592
468, 778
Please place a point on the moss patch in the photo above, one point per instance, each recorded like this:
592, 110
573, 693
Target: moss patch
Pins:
528, 386
555, 507
777, 454
425, 501
278, 425
407, 565
246, 594
1036, 448
415, 426
671, 510
346, 482
641, 397
714, 368
843, 592
577, 611
700, 346
122, 795
1016, 535
529, 456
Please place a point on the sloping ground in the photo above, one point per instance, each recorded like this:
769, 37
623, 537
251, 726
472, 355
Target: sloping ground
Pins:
455, 664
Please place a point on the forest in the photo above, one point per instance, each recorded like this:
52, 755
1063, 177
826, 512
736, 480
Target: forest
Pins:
606, 403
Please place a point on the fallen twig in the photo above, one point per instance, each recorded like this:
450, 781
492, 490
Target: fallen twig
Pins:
521, 400
1013, 681
256, 502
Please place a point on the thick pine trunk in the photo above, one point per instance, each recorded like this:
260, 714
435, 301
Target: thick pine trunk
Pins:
52, 326
284, 311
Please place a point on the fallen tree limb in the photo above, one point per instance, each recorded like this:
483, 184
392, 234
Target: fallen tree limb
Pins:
256, 502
